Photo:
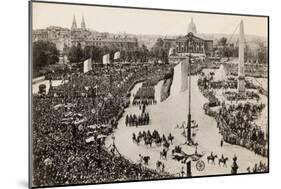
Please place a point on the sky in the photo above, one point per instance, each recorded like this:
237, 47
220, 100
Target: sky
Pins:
137, 21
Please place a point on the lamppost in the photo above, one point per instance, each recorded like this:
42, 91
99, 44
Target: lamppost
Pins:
113, 140
186, 159
189, 139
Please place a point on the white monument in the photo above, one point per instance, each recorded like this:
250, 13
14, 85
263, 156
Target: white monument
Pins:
180, 78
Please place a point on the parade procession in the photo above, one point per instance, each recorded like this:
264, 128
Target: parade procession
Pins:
111, 106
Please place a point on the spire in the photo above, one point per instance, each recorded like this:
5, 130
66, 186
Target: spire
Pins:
191, 27
74, 25
83, 24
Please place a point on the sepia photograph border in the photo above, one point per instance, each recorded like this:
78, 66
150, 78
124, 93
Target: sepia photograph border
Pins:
30, 137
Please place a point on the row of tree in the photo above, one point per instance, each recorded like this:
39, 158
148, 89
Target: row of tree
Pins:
45, 53
259, 53
135, 54
77, 53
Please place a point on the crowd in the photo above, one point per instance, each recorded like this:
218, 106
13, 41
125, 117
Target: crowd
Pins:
60, 129
234, 96
235, 121
237, 127
147, 93
254, 70
146, 101
134, 120
258, 168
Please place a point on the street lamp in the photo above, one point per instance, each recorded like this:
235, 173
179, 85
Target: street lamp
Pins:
113, 140
189, 140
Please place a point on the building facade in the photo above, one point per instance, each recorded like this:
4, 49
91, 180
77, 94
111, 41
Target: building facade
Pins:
182, 46
65, 38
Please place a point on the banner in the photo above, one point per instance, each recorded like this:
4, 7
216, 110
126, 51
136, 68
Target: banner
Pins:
171, 51
87, 66
180, 78
106, 59
117, 55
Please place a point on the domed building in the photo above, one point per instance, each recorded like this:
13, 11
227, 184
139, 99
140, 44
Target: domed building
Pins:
192, 27
180, 47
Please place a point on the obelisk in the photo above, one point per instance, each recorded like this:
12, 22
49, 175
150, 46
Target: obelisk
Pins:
241, 69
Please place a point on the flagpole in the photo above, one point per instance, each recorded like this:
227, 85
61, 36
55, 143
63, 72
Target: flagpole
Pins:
97, 107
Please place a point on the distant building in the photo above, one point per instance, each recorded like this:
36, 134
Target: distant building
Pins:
182, 46
58, 35
192, 27
87, 38
83, 24
74, 25
65, 38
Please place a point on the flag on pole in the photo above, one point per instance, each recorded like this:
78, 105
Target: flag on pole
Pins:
180, 78
94, 94
171, 51
105, 59
117, 55
87, 65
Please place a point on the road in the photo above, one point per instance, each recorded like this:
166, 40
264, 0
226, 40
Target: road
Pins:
164, 118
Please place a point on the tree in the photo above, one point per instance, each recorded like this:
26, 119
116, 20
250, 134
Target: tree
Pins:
75, 53
158, 50
223, 41
42, 89
44, 53
262, 55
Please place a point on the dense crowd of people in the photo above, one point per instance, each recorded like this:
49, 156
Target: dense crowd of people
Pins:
134, 120
251, 69
237, 127
60, 128
258, 168
146, 101
147, 93
235, 121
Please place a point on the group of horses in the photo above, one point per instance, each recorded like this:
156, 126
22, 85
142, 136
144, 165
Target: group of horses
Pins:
160, 166
149, 138
213, 157
155, 137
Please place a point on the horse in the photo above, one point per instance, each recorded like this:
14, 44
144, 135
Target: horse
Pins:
158, 166
171, 138
148, 142
177, 149
178, 157
212, 158
223, 160
137, 140
166, 145
158, 141
146, 159
163, 154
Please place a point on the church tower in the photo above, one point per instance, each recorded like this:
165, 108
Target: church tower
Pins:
192, 27
74, 25
83, 24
